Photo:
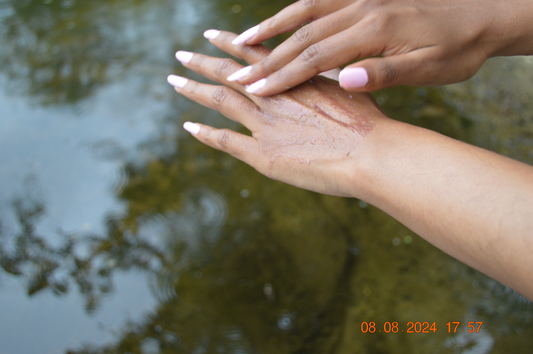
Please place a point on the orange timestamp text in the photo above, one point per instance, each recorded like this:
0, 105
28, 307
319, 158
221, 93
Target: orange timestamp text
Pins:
420, 327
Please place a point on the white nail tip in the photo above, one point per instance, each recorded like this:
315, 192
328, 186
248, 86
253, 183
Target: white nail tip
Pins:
191, 127
256, 86
239, 74
184, 57
177, 81
211, 34
246, 35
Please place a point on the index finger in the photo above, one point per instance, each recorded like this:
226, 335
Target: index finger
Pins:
290, 18
301, 40
325, 55
223, 41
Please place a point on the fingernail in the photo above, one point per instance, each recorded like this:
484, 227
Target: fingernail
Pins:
177, 81
246, 35
240, 74
184, 57
211, 34
192, 128
256, 86
353, 77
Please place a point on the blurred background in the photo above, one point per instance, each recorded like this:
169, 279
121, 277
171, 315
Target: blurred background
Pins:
119, 233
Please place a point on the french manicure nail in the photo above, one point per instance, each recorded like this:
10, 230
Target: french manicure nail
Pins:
246, 35
177, 81
192, 128
256, 86
184, 57
353, 77
211, 34
240, 74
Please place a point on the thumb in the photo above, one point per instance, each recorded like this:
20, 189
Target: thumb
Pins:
414, 68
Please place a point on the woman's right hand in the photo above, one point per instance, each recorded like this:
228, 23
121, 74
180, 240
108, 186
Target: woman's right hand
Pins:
430, 42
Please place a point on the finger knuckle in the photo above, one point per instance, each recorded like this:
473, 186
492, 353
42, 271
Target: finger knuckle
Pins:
264, 65
272, 22
223, 138
389, 73
303, 36
372, 4
248, 51
310, 3
219, 96
223, 67
378, 23
384, 20
312, 55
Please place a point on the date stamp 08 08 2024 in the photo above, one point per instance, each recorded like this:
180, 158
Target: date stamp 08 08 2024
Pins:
420, 327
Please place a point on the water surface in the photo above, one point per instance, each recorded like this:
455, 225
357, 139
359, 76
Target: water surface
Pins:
119, 233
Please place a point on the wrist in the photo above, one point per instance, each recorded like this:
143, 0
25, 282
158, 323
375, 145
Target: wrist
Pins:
512, 30
379, 149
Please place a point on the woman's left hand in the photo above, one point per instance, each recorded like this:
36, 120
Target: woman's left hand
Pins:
309, 136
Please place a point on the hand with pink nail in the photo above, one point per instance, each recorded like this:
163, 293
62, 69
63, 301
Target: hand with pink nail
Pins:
471, 203
313, 131
400, 42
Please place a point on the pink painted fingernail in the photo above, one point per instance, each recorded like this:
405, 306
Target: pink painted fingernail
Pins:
192, 128
177, 81
211, 34
246, 35
353, 78
256, 86
184, 57
240, 74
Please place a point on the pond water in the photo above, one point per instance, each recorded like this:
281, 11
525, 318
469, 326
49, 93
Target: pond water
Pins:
119, 233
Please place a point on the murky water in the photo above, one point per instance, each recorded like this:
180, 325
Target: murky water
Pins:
119, 233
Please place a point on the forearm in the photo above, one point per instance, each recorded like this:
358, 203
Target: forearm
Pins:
473, 204
511, 33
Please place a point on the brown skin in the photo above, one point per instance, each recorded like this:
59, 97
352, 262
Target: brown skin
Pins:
422, 42
471, 203
284, 129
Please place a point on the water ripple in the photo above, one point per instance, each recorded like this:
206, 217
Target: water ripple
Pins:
199, 222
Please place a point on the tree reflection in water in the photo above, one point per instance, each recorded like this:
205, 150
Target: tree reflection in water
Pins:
239, 263
28, 255
209, 277
51, 49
